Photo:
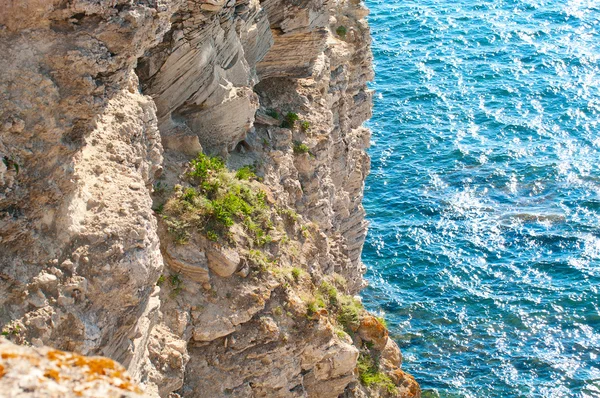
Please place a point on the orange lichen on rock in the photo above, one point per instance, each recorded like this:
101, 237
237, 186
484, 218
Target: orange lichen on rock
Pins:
8, 355
95, 368
406, 383
52, 374
55, 373
372, 330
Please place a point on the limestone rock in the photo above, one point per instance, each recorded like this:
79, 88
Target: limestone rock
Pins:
46, 372
188, 260
92, 93
223, 261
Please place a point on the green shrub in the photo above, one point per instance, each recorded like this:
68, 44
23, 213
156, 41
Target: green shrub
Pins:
370, 375
314, 305
341, 31
382, 320
340, 333
259, 259
340, 281
178, 229
159, 188
300, 148
290, 120
330, 292
350, 311
161, 280
289, 213
204, 165
273, 113
245, 173
176, 284
10, 163
305, 126
296, 273
212, 235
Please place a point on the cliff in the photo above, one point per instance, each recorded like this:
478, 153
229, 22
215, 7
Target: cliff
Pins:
181, 192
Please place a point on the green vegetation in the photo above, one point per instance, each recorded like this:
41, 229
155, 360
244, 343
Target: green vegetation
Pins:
273, 113
288, 213
216, 200
329, 291
290, 120
340, 333
370, 375
212, 235
350, 310
382, 320
300, 147
340, 281
245, 173
204, 165
341, 31
13, 329
305, 125
260, 260
278, 311
10, 163
161, 280
296, 273
178, 229
159, 188
176, 284
305, 231
314, 305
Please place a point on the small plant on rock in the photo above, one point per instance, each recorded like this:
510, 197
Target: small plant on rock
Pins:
314, 305
341, 31
370, 375
350, 310
301, 148
305, 126
290, 120
273, 113
10, 163
296, 273
329, 291
245, 173
176, 284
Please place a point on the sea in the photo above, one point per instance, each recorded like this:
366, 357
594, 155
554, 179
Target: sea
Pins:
483, 251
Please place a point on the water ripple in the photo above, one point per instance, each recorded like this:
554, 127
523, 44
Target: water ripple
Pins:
484, 196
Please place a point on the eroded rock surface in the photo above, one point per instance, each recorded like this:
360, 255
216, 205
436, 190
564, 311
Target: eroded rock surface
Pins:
103, 105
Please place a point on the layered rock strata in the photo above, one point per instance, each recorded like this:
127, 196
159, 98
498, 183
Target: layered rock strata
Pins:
103, 105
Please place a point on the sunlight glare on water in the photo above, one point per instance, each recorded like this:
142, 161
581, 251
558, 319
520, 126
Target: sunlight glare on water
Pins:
484, 197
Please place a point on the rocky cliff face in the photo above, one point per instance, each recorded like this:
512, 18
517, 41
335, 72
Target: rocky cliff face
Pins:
203, 277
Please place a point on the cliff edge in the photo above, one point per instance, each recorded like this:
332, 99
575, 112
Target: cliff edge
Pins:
181, 192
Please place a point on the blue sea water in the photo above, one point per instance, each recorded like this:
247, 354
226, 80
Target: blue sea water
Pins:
484, 198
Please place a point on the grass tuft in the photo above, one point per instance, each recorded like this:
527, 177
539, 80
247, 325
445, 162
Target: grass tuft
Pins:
370, 375
300, 148
290, 120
